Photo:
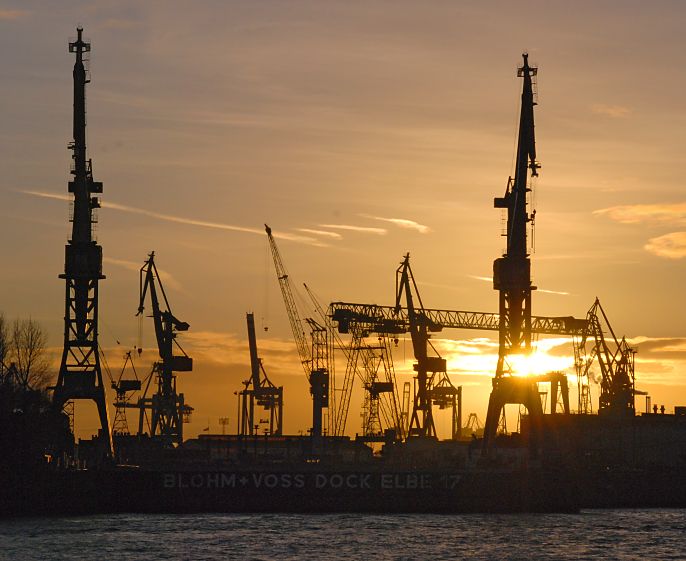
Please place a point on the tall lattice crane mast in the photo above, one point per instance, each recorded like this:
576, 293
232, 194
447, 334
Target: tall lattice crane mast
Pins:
512, 271
80, 374
314, 359
168, 408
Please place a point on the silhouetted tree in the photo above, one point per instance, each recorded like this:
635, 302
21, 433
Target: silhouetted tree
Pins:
27, 351
4, 347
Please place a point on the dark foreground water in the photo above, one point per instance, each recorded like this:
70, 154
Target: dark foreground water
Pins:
597, 534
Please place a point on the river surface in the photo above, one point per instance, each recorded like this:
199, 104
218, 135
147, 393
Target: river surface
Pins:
593, 534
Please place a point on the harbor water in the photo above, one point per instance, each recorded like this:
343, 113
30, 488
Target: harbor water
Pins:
592, 534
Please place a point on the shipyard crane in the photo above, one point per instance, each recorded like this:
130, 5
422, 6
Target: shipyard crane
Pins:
374, 359
433, 384
615, 360
260, 391
375, 318
363, 319
315, 358
512, 273
168, 408
80, 373
123, 387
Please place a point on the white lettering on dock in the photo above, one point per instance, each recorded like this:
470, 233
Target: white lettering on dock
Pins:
258, 480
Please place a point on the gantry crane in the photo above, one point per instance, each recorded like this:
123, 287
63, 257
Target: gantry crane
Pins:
314, 358
389, 321
80, 374
375, 318
259, 390
168, 408
615, 360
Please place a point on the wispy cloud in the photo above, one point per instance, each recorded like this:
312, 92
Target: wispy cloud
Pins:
671, 246
490, 279
188, 221
280, 355
363, 229
401, 222
9, 15
167, 279
334, 235
635, 214
614, 111
660, 347
119, 24
560, 292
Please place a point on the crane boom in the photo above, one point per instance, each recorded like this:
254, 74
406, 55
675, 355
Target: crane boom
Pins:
291, 309
383, 319
315, 360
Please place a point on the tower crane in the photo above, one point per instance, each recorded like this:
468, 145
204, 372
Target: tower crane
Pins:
315, 358
168, 408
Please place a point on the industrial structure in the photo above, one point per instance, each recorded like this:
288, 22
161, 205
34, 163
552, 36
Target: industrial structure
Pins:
124, 388
398, 463
433, 384
615, 359
393, 321
80, 374
315, 357
168, 409
259, 391
512, 271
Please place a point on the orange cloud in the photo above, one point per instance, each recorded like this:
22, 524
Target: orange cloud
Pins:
635, 214
614, 111
210, 347
402, 223
9, 15
334, 235
671, 246
363, 229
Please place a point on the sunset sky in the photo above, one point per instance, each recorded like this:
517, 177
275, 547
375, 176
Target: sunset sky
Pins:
358, 131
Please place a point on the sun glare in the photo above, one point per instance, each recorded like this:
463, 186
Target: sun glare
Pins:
538, 363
